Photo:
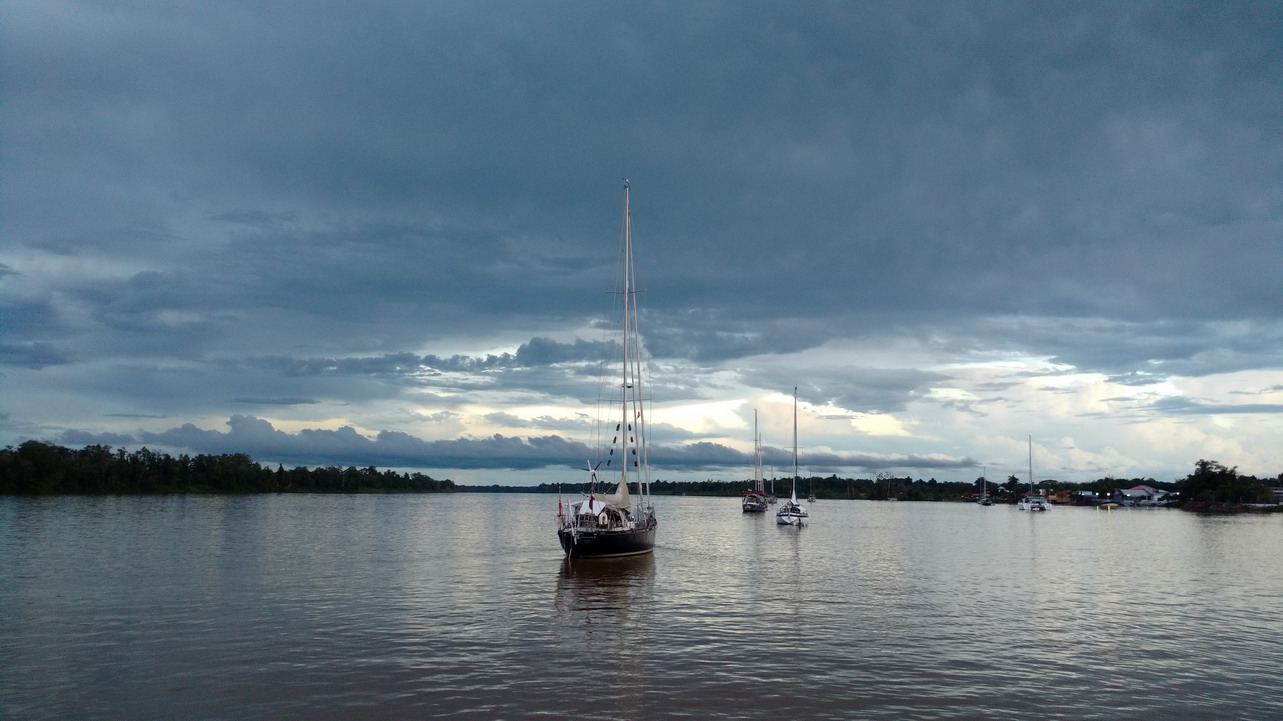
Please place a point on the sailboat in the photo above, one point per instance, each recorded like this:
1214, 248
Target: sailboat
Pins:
984, 499
603, 525
755, 498
792, 513
1033, 501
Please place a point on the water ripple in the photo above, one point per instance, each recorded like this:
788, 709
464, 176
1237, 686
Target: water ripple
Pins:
279, 607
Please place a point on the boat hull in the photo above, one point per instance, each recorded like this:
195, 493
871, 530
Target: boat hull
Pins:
791, 513
605, 544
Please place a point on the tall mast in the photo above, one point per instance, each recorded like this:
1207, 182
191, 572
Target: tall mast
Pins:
634, 420
630, 455
757, 456
1031, 464
795, 444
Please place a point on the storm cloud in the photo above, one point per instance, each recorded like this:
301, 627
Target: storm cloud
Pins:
385, 234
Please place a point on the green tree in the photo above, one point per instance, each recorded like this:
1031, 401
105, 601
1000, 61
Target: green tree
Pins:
1213, 484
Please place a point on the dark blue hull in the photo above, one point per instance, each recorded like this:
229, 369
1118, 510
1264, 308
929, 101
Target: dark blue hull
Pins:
603, 544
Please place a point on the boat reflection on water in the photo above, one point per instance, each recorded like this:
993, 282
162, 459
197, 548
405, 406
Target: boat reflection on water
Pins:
603, 584
602, 605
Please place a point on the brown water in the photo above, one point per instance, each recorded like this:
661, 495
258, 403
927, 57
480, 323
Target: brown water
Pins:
406, 607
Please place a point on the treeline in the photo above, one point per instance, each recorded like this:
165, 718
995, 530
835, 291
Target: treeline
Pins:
41, 468
831, 487
881, 488
1215, 487
1212, 486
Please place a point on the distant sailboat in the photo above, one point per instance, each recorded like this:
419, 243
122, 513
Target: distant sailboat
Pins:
1033, 501
609, 525
754, 500
984, 498
792, 513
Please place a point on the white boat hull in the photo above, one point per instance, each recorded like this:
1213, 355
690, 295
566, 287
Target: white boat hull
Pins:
791, 514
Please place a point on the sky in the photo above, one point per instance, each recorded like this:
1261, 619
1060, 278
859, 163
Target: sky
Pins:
385, 233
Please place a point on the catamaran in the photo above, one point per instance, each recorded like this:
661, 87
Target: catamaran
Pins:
1033, 501
616, 525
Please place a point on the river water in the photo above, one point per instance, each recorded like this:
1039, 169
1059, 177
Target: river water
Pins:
460, 606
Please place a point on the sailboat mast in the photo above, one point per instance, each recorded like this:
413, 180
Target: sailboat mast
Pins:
634, 419
1031, 464
795, 444
626, 427
757, 456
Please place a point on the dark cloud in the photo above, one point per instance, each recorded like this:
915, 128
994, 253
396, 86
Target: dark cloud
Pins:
35, 355
404, 210
1192, 406
545, 351
345, 446
578, 426
852, 388
83, 438
1136, 378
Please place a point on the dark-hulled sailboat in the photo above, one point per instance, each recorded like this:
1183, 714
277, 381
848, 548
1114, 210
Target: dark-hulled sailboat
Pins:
754, 500
618, 524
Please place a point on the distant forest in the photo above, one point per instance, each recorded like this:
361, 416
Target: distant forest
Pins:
881, 488
1211, 487
41, 468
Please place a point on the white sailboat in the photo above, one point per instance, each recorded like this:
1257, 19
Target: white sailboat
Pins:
611, 525
792, 513
1033, 501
